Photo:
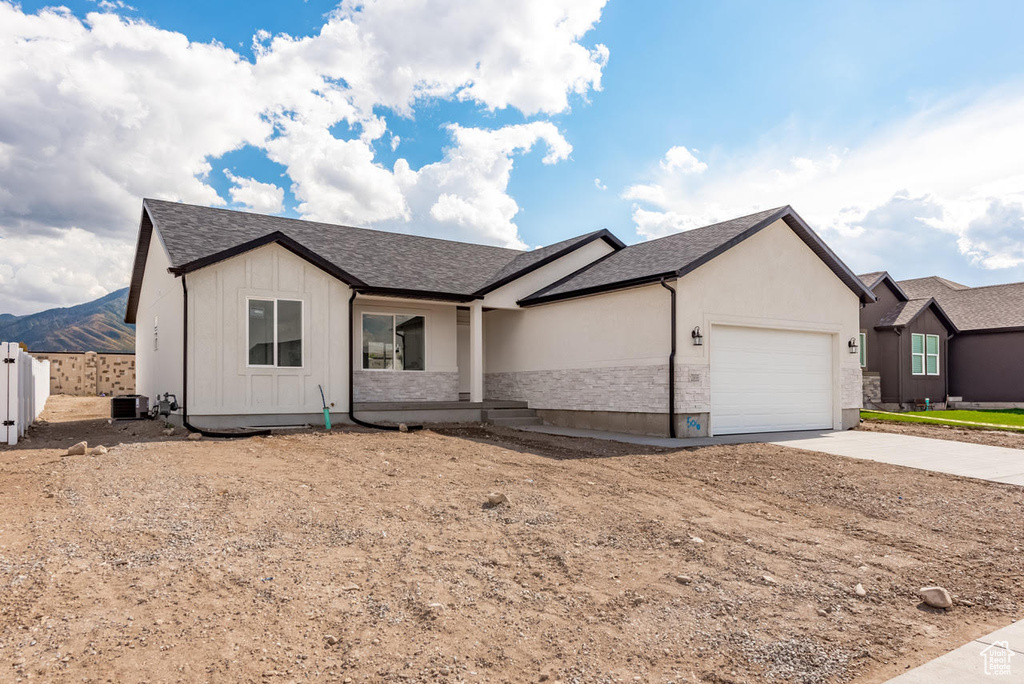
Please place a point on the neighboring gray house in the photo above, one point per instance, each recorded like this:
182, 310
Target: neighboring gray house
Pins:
742, 326
986, 355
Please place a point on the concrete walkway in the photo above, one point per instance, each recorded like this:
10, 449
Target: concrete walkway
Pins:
996, 657
997, 464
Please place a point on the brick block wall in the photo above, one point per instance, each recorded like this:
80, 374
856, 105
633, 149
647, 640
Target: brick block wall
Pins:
852, 390
89, 373
405, 386
872, 393
640, 389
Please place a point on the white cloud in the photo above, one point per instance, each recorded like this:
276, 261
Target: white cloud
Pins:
943, 181
599, 185
100, 112
682, 160
264, 198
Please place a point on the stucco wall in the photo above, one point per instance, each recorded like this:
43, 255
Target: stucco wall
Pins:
772, 279
505, 297
158, 367
609, 352
89, 373
220, 380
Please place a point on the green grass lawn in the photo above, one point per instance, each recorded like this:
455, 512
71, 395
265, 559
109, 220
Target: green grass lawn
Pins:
1001, 417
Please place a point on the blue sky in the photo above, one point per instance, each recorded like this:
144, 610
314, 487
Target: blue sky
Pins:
893, 128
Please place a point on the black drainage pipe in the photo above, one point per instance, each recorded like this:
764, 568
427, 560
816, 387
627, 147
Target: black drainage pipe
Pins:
672, 366
352, 376
184, 383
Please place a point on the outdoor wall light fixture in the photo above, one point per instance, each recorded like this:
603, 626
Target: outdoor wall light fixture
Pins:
698, 339
852, 344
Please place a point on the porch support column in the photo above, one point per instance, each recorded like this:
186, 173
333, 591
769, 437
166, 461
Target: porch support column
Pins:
476, 351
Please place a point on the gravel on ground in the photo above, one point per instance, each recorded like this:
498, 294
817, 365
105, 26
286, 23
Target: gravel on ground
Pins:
365, 556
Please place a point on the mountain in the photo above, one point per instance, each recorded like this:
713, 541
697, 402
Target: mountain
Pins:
95, 326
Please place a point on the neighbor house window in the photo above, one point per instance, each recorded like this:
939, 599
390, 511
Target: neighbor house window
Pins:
863, 350
156, 333
924, 354
931, 357
275, 333
394, 342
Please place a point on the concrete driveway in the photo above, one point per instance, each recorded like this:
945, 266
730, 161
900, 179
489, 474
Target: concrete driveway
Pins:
998, 464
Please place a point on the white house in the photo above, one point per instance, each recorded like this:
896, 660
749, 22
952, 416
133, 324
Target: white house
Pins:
245, 317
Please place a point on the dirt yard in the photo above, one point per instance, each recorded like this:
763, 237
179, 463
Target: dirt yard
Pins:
1004, 438
360, 556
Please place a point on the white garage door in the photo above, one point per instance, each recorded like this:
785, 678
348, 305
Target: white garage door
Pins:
770, 380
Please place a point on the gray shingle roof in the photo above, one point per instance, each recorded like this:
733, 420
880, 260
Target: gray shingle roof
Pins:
375, 260
903, 313
973, 308
871, 279
678, 254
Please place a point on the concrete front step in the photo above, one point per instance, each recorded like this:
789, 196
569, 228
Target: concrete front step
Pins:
516, 421
491, 413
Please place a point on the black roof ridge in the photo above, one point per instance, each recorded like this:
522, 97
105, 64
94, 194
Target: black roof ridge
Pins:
894, 284
339, 225
774, 210
970, 288
766, 218
928, 303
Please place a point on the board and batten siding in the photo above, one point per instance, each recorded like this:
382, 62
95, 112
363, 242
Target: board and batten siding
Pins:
158, 367
220, 380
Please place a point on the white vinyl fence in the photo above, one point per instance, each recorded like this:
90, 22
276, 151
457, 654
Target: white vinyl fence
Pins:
24, 389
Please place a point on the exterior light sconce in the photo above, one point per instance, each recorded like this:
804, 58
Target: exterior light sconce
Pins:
698, 339
852, 344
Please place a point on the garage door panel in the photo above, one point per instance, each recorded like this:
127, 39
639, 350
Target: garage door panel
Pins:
770, 380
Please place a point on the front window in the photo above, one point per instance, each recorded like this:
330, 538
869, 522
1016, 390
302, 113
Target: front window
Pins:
924, 354
394, 342
931, 358
275, 333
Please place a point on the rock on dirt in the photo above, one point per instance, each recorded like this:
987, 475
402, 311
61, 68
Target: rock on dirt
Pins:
859, 590
936, 597
331, 639
98, 451
168, 432
195, 436
768, 579
683, 579
496, 499
696, 540
402, 427
78, 449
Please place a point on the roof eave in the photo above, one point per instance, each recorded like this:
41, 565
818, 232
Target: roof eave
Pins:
603, 234
825, 253
597, 289
139, 265
277, 237
409, 293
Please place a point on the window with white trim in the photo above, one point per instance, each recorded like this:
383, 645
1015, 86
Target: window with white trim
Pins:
924, 354
931, 356
394, 342
275, 333
863, 350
